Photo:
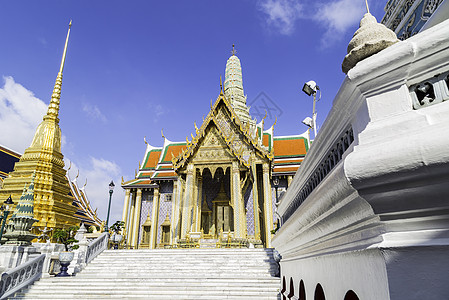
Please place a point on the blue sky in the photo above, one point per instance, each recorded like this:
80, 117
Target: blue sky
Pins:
136, 67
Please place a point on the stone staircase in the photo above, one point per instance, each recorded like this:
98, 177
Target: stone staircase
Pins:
167, 274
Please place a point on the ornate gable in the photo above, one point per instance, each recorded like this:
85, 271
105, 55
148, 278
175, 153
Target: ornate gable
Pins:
222, 126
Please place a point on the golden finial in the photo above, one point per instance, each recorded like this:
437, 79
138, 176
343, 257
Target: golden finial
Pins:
145, 140
162, 133
221, 86
187, 141
85, 184
367, 7
70, 165
196, 127
53, 108
233, 52
139, 165
211, 106
135, 173
78, 174
275, 120
123, 181
192, 136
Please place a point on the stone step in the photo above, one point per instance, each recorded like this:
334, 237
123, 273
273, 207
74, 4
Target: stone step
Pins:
167, 274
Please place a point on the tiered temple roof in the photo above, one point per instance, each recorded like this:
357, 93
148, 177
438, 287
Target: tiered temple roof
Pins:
285, 152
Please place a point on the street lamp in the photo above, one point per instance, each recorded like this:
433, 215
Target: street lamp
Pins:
6, 212
310, 88
111, 190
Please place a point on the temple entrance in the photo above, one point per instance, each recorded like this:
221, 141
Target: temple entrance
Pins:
217, 214
224, 218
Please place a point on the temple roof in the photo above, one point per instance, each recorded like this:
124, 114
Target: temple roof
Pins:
289, 152
241, 135
224, 120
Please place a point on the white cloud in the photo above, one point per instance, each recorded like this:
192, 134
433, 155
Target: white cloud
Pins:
158, 110
94, 112
99, 172
20, 114
282, 14
337, 17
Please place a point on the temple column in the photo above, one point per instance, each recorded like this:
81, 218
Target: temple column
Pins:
198, 202
289, 180
187, 202
173, 212
255, 200
131, 220
194, 203
136, 227
236, 197
125, 209
154, 219
268, 204
179, 197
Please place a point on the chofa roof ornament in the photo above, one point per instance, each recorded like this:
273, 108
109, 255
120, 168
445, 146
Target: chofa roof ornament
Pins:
371, 38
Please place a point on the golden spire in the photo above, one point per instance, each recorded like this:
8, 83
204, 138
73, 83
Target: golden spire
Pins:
233, 52
53, 108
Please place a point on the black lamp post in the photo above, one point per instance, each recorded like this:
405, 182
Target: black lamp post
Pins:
6, 212
111, 190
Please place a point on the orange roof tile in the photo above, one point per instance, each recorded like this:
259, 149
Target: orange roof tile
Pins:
266, 139
285, 169
152, 159
164, 174
175, 148
290, 146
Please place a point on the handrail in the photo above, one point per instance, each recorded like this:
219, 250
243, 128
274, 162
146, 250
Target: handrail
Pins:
21, 276
97, 246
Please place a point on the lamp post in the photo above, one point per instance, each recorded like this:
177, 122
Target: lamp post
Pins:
310, 88
6, 212
111, 190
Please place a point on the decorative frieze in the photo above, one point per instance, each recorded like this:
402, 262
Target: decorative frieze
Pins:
333, 157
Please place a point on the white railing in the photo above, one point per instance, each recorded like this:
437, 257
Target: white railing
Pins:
21, 276
97, 246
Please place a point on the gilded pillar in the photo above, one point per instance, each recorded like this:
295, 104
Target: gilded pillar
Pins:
125, 209
187, 202
195, 203
236, 199
136, 227
173, 213
198, 202
255, 202
154, 219
178, 204
289, 180
268, 204
131, 220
